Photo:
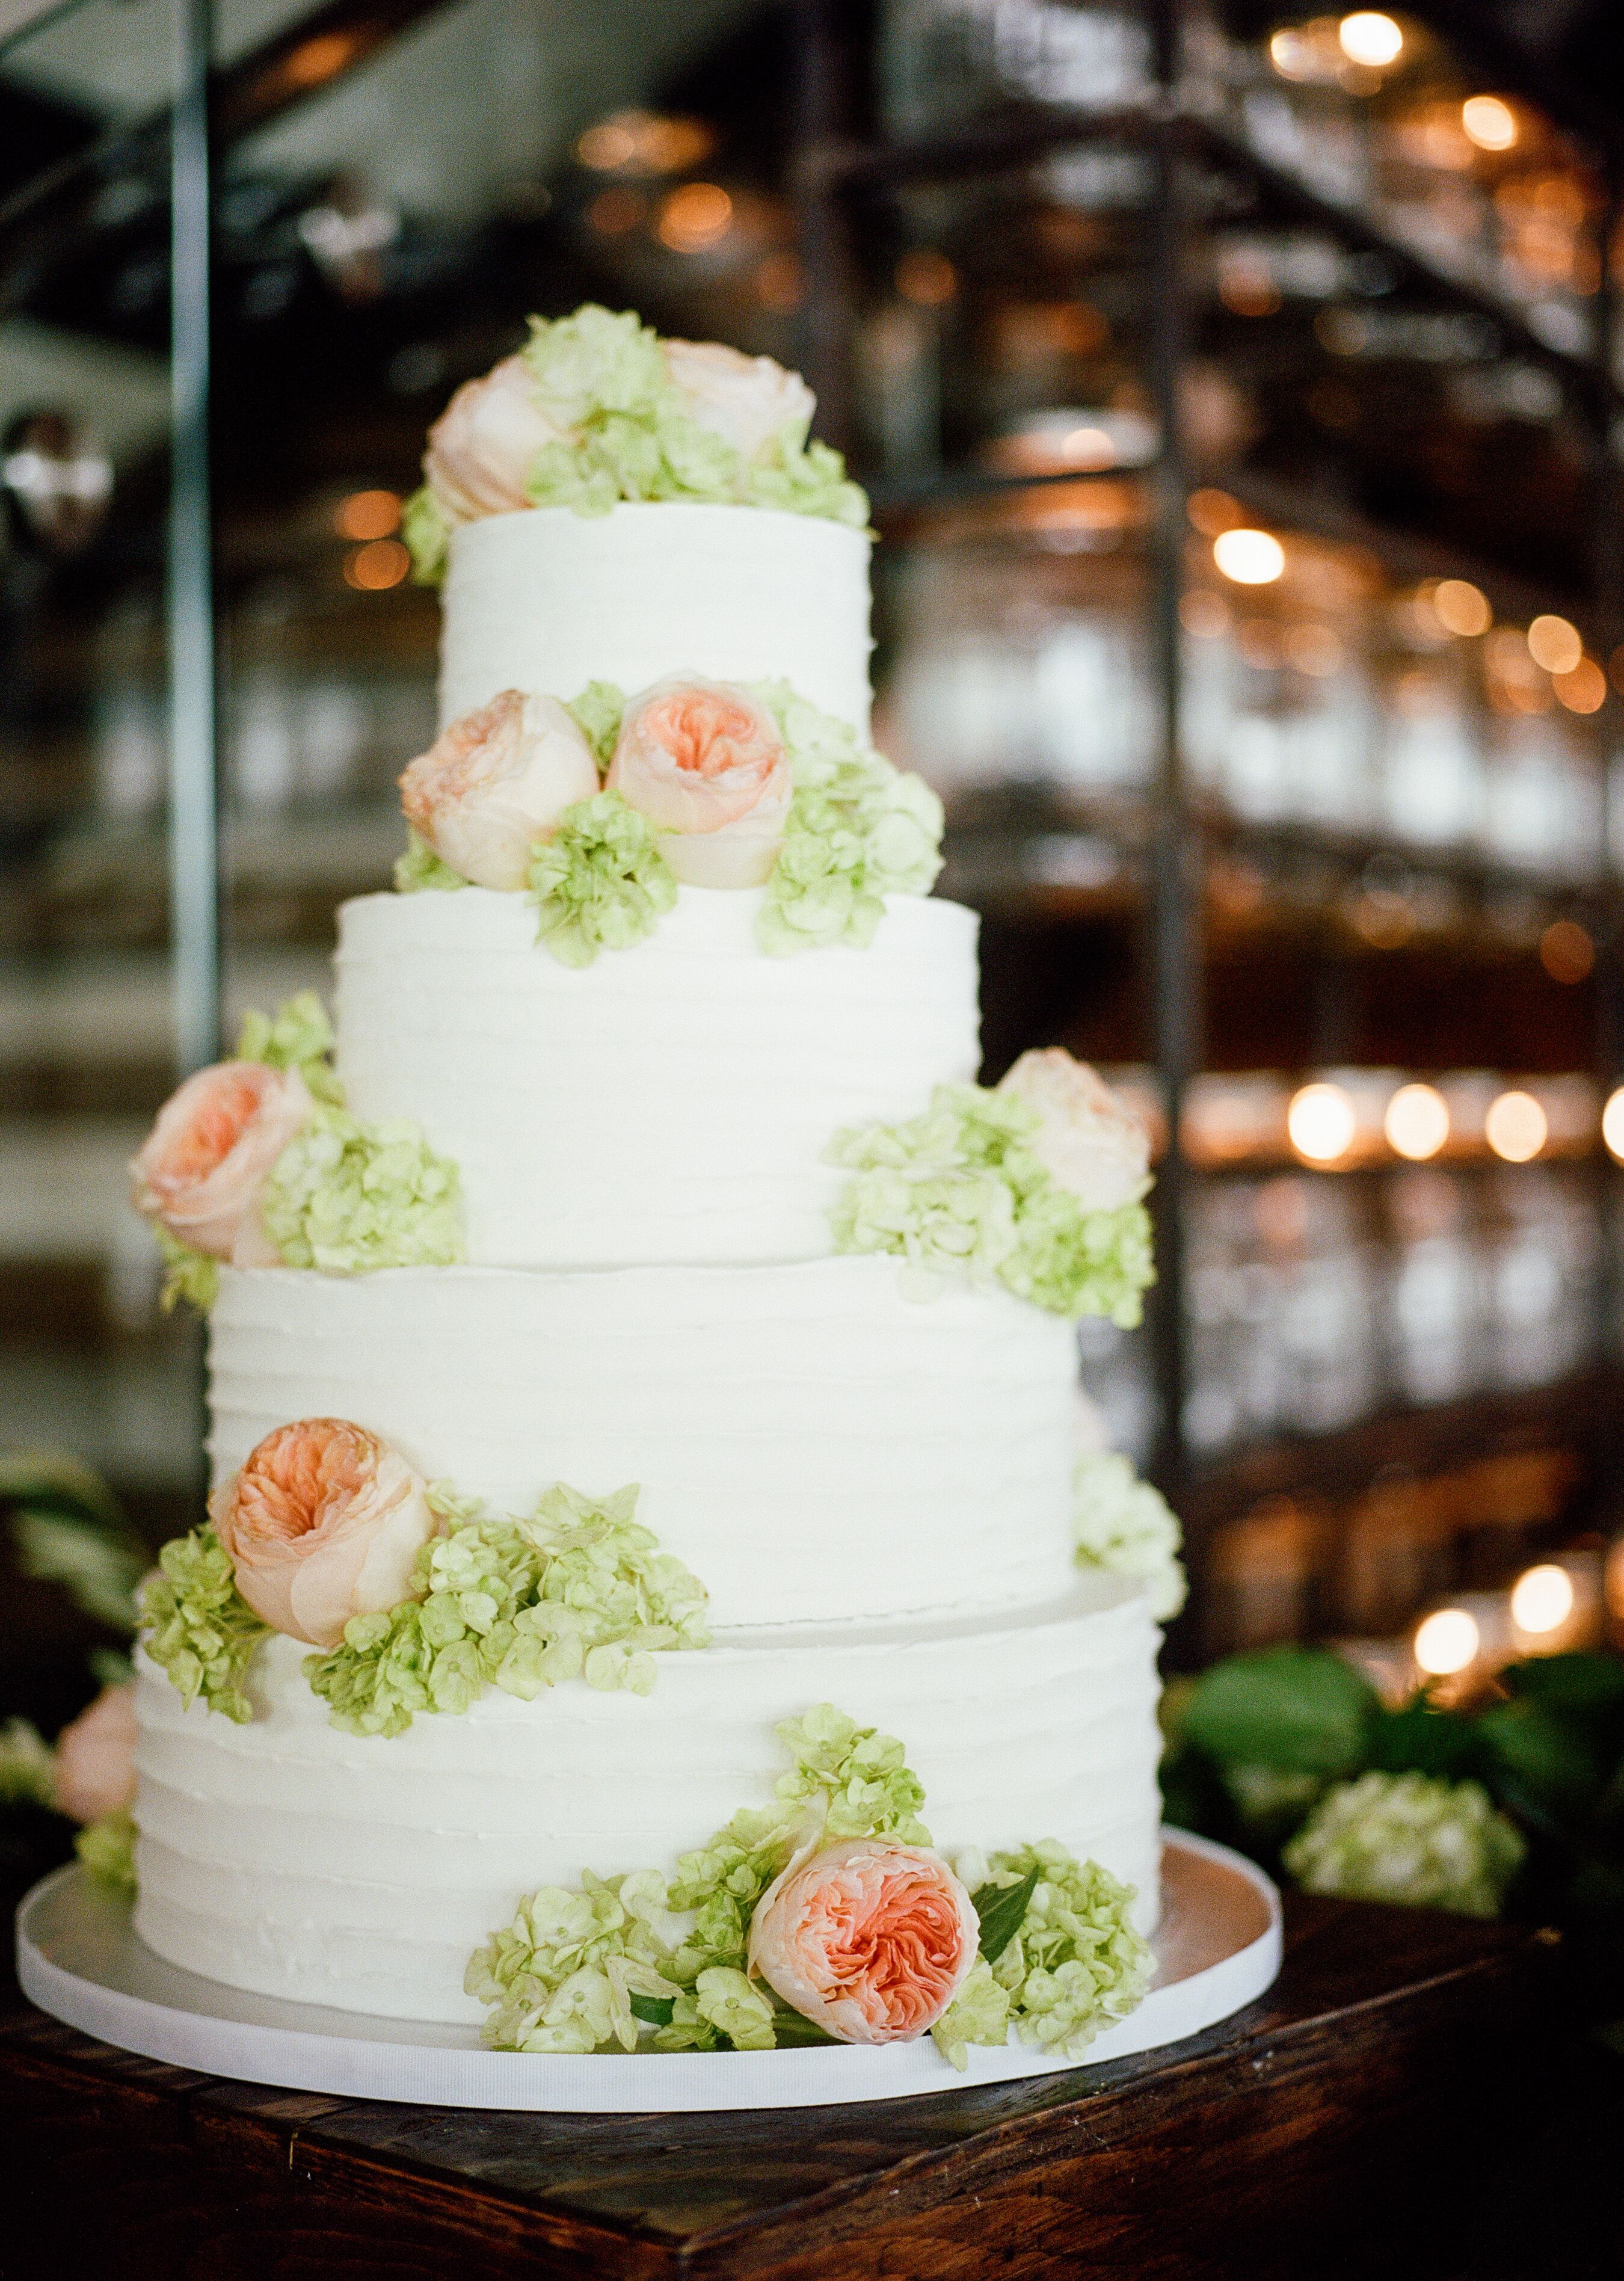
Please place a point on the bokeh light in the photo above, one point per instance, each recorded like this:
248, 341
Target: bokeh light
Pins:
368, 514
1542, 1599
1555, 645
1516, 1127
1321, 1123
1565, 951
1489, 123
696, 216
1250, 557
1416, 1124
1446, 1642
1612, 1124
375, 567
1461, 608
1369, 38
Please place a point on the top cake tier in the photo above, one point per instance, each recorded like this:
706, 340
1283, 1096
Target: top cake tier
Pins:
548, 600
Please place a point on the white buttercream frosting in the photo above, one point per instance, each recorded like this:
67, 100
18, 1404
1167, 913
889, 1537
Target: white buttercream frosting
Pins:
292, 1858
548, 600
671, 1101
815, 1445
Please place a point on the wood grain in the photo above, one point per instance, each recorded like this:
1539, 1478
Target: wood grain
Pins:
1377, 2051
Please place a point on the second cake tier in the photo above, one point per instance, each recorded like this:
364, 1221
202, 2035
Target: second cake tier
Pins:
815, 1445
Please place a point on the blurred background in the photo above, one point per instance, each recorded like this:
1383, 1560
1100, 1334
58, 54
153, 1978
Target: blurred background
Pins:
1240, 395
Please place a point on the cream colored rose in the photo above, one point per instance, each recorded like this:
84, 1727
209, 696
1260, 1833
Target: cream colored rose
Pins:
870, 1938
483, 444
203, 1168
705, 763
748, 401
496, 782
324, 1522
95, 1771
1090, 1141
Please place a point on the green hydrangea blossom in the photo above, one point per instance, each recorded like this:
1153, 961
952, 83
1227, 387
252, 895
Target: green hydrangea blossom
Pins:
426, 529
858, 830
597, 713
196, 1624
601, 883
576, 1590
690, 1938
107, 1849
1076, 1963
347, 1198
803, 478
421, 867
298, 1036
188, 1274
1123, 1524
26, 1766
958, 1190
1410, 1838
562, 1975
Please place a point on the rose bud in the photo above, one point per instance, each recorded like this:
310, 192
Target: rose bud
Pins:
324, 1522
483, 444
95, 1771
203, 1168
495, 783
870, 1939
1090, 1141
703, 760
748, 401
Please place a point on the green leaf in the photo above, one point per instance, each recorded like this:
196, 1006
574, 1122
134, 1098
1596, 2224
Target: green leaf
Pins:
1294, 1707
1420, 1739
1536, 1757
791, 2030
1002, 1911
655, 2009
1583, 1685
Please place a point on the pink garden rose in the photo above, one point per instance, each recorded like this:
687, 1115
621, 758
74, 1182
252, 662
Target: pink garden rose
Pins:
483, 444
748, 401
870, 1939
1090, 1141
324, 1522
204, 1166
703, 760
496, 782
95, 1758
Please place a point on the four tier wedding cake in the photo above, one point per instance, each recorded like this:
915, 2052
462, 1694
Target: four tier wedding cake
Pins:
642, 1377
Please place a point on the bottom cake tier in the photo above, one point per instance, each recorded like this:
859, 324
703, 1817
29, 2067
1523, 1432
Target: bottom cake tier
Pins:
288, 1857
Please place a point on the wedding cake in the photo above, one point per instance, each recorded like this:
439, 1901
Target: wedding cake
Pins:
637, 1347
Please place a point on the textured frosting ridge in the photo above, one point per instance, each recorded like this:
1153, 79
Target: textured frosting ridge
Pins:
671, 1103
817, 1447
548, 600
293, 1859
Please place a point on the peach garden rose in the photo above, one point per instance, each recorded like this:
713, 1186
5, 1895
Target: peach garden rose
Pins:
203, 1168
95, 1771
748, 401
495, 783
483, 446
324, 1522
1090, 1141
703, 760
869, 1939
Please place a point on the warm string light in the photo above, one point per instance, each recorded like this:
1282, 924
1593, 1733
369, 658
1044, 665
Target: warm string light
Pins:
1516, 1127
1320, 1123
1249, 558
1446, 1642
1555, 645
1543, 1599
1370, 39
1489, 123
1416, 1124
1613, 1125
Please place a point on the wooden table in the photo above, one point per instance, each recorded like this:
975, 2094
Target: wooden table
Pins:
1288, 2142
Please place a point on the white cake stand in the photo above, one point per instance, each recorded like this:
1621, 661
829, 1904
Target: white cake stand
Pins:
1217, 1947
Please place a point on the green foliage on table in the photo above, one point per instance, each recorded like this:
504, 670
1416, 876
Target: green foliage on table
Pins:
69, 1529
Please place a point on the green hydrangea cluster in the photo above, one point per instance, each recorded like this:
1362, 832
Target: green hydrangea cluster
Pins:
858, 830
297, 1036
26, 1766
421, 870
1072, 1964
958, 1190
598, 712
1123, 1524
1410, 1838
601, 883
107, 1849
552, 1975
602, 378
196, 1624
348, 1198
574, 1590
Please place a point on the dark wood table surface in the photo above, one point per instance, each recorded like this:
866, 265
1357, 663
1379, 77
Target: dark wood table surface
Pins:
1401, 2102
